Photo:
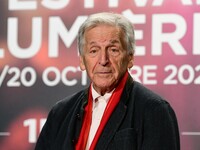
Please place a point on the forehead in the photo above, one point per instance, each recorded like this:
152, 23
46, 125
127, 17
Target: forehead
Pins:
102, 33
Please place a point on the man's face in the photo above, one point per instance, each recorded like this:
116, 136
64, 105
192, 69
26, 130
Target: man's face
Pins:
104, 57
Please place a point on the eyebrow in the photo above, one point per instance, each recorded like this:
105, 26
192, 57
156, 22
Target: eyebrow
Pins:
111, 42
91, 43
114, 41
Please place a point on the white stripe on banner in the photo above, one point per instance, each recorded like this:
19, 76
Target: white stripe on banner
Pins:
4, 134
190, 133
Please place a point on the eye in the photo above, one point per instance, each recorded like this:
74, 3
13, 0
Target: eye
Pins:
93, 52
114, 51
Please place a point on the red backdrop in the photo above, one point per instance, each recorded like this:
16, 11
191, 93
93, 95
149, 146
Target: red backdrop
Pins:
39, 62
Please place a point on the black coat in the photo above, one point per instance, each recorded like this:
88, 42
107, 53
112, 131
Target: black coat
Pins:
141, 121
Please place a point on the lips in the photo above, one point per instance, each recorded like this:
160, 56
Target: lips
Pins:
104, 72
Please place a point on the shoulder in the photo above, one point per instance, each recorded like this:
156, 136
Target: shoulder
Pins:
64, 109
149, 103
144, 95
69, 102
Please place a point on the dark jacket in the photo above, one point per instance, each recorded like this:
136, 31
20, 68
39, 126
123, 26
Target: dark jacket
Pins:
141, 121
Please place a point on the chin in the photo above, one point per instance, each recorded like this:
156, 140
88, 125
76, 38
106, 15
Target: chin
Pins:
104, 85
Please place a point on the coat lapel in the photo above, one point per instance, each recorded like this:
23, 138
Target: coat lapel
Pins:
111, 126
74, 124
116, 118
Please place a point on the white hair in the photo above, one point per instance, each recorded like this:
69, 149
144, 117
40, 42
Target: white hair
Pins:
112, 19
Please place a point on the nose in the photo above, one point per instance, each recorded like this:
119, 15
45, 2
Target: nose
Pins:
103, 58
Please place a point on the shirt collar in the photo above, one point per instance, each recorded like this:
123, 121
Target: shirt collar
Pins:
96, 95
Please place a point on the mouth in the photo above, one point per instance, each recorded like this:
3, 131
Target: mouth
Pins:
104, 72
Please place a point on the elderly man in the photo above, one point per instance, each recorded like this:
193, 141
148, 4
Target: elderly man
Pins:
114, 112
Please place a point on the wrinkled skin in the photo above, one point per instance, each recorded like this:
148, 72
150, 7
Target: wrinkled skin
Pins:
105, 57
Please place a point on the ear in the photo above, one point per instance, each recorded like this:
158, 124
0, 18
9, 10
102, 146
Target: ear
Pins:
82, 64
130, 61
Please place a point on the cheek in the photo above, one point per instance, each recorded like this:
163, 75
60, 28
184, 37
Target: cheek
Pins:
90, 66
120, 64
117, 65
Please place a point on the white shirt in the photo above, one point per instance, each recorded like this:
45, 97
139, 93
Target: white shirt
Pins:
99, 105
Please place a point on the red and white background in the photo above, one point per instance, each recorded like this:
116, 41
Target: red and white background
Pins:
39, 62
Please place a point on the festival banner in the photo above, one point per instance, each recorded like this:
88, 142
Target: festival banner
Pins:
39, 60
